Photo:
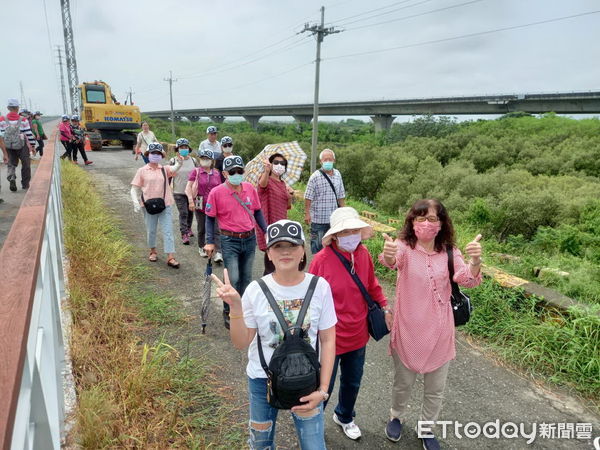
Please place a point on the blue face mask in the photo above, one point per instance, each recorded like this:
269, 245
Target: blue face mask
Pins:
184, 152
327, 165
236, 179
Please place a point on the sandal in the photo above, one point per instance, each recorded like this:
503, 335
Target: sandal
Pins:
153, 257
173, 263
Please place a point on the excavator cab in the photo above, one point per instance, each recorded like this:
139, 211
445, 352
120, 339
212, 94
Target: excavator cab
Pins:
104, 118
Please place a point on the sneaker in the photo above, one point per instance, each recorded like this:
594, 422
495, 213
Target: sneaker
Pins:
393, 430
218, 257
430, 442
87, 163
202, 252
350, 429
190, 233
25, 187
185, 239
226, 320
13, 184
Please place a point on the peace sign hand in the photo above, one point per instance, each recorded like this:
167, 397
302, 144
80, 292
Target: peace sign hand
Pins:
473, 249
226, 291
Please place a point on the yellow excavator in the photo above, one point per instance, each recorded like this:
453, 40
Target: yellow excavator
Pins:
105, 119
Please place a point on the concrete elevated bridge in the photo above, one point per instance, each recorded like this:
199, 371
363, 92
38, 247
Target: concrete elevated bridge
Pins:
383, 112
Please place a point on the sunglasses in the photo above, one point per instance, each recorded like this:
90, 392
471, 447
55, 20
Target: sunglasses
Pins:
279, 162
227, 145
236, 171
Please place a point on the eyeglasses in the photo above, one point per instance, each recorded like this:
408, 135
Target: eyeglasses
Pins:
278, 162
236, 171
226, 145
428, 218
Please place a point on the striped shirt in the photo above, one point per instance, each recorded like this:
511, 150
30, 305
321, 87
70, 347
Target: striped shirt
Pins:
323, 200
12, 118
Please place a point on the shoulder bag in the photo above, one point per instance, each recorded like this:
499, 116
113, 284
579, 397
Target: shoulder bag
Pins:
375, 316
461, 303
157, 205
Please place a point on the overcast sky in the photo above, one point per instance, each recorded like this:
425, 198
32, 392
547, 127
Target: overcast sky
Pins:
233, 53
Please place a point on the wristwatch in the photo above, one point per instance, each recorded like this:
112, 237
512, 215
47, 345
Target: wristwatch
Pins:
324, 394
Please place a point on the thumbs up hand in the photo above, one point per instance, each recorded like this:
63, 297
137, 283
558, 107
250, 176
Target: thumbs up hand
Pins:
390, 248
473, 249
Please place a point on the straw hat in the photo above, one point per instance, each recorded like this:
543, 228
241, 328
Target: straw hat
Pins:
346, 218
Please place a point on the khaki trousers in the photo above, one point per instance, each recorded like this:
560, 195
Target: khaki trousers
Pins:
434, 386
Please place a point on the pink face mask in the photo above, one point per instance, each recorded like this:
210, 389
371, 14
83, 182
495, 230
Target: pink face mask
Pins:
426, 231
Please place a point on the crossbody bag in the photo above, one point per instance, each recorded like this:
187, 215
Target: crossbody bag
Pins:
157, 205
461, 303
375, 316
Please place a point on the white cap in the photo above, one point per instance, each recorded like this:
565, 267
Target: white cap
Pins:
13, 102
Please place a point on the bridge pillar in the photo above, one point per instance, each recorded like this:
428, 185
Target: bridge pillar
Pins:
303, 118
382, 121
253, 121
217, 119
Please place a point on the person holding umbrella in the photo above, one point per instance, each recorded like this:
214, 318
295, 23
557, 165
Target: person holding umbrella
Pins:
275, 198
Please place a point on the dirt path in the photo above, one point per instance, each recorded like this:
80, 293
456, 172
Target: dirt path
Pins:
479, 390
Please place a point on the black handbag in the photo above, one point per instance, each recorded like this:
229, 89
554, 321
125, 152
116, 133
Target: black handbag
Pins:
375, 316
156, 205
461, 303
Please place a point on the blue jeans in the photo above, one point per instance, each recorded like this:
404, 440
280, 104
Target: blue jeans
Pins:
238, 257
317, 231
351, 364
166, 223
310, 430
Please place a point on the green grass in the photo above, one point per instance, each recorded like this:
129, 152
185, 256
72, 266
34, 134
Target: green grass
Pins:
561, 347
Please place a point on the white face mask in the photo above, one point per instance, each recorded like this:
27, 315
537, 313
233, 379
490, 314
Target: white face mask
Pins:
227, 149
278, 169
350, 242
205, 162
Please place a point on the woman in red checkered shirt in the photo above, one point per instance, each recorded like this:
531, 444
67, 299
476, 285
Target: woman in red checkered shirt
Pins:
275, 198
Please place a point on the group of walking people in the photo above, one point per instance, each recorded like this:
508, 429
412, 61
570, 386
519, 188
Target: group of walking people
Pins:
72, 137
338, 290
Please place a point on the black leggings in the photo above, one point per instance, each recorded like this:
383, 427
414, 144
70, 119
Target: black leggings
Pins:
68, 148
81, 147
40, 148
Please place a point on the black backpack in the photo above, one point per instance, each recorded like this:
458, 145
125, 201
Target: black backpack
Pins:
294, 370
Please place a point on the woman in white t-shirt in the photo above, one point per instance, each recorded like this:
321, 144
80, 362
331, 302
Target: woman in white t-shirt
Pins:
144, 138
252, 313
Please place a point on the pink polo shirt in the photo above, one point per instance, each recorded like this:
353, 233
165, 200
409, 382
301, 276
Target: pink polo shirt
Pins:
423, 330
152, 182
231, 215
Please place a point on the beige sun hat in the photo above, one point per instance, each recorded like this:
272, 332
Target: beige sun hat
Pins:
346, 218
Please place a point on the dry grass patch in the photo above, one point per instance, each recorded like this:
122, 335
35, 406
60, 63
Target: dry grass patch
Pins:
131, 393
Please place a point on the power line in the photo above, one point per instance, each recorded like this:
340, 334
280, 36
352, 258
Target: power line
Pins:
236, 66
252, 82
464, 36
416, 15
387, 12
371, 10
